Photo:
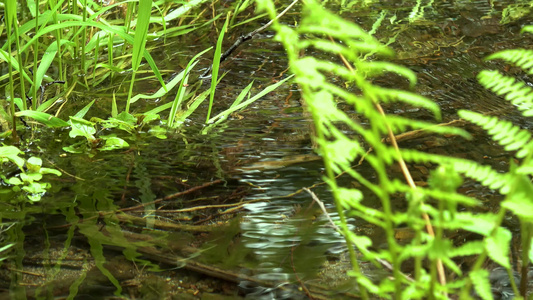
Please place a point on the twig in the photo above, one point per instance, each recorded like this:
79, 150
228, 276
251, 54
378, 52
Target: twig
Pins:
323, 208
172, 196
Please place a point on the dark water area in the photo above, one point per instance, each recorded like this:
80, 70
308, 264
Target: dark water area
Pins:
263, 157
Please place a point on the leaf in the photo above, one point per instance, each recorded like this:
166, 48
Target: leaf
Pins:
214, 69
520, 200
112, 143
498, 246
43, 117
78, 147
480, 279
158, 131
141, 31
46, 61
50, 171
80, 114
177, 12
34, 164
181, 89
163, 90
81, 127
35, 188
14, 63
11, 153
127, 118
13, 181
242, 105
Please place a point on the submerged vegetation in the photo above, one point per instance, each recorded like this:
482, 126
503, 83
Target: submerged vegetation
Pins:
54, 52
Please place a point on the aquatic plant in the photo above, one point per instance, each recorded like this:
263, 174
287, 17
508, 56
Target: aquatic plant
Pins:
65, 49
27, 183
326, 32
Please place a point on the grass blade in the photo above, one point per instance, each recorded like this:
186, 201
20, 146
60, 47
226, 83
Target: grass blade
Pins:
242, 105
181, 91
139, 41
216, 65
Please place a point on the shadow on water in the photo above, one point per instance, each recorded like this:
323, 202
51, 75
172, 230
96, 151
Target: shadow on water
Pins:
253, 227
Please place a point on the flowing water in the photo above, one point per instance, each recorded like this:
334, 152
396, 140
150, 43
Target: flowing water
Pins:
264, 157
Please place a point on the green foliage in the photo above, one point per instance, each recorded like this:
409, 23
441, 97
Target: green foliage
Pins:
325, 32
214, 69
139, 42
28, 183
519, 188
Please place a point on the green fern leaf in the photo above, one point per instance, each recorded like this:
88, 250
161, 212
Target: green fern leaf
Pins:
399, 125
470, 248
508, 135
482, 173
377, 68
389, 95
522, 58
498, 245
480, 279
516, 92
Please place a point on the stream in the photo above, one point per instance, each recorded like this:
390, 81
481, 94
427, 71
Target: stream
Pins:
223, 215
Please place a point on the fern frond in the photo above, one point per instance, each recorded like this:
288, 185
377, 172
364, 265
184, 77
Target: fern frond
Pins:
399, 186
400, 124
320, 21
522, 58
376, 68
508, 135
482, 173
330, 47
390, 95
516, 92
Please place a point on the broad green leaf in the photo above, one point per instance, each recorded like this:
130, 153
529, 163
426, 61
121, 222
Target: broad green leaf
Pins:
158, 131
30, 177
43, 117
46, 61
127, 118
13, 181
112, 143
34, 164
35, 161
81, 127
50, 171
11, 153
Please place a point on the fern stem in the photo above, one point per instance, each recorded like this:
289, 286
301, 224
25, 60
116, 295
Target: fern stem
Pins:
328, 162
